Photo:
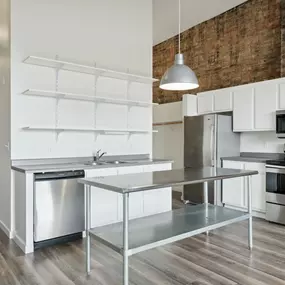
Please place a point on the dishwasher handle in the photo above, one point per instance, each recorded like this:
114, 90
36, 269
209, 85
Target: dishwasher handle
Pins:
59, 175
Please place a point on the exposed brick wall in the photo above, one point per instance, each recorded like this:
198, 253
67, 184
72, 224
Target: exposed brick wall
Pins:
282, 21
240, 46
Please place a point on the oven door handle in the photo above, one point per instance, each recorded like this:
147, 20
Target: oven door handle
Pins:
275, 169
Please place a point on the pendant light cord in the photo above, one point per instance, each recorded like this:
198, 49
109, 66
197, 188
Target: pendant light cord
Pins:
179, 26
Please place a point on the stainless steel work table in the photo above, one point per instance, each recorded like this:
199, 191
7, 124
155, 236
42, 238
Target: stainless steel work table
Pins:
137, 235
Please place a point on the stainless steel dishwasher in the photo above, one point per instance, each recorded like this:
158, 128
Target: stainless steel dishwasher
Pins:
58, 207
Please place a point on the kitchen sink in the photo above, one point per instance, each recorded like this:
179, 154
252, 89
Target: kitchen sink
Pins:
116, 162
102, 162
96, 163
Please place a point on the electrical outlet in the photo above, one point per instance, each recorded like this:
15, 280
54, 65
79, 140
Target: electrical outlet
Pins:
3, 80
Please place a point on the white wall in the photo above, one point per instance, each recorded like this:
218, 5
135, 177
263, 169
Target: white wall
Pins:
168, 143
5, 172
193, 12
261, 142
114, 34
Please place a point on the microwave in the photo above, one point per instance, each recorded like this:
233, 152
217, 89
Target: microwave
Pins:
280, 124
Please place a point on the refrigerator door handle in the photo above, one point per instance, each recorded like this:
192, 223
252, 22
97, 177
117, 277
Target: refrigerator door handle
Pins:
212, 145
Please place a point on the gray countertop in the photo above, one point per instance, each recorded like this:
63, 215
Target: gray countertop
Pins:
154, 180
84, 166
255, 157
246, 159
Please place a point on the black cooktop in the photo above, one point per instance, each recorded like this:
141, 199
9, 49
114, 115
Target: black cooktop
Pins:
278, 162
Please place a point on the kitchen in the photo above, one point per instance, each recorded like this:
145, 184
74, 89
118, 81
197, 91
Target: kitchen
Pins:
66, 101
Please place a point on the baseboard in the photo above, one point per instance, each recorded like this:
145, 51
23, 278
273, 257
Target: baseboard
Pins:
22, 245
254, 213
6, 230
259, 215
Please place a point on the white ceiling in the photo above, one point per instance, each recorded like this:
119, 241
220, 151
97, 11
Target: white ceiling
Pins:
193, 12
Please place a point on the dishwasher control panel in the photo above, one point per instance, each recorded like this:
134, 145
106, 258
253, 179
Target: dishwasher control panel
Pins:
70, 174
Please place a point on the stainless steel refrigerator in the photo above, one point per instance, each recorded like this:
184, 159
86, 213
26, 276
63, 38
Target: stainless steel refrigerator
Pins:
207, 139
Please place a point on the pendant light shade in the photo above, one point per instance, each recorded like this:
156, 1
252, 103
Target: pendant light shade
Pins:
179, 76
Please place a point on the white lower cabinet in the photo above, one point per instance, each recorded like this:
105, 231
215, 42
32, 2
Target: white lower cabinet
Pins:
135, 199
235, 190
157, 201
107, 206
258, 186
104, 203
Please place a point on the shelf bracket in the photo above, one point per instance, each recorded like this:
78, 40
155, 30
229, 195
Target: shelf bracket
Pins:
57, 98
129, 106
96, 76
57, 133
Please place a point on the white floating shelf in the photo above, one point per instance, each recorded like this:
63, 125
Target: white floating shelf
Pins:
104, 131
87, 69
84, 97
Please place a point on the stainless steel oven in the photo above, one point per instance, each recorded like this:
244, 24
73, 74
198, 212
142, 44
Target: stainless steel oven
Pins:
280, 124
275, 193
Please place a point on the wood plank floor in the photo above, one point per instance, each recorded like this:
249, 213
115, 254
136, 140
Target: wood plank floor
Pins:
221, 258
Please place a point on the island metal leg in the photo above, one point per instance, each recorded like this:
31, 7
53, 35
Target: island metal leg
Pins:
87, 206
206, 199
125, 238
249, 191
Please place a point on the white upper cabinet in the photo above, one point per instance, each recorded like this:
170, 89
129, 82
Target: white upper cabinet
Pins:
223, 100
215, 101
265, 106
189, 105
281, 94
205, 103
254, 105
243, 109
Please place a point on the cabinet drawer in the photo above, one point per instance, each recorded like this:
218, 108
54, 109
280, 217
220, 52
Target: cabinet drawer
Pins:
260, 167
275, 213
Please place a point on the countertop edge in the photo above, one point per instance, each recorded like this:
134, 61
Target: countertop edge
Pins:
86, 181
87, 167
245, 159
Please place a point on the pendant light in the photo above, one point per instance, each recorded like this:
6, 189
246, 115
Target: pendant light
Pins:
179, 76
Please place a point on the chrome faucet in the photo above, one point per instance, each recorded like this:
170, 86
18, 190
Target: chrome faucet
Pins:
98, 155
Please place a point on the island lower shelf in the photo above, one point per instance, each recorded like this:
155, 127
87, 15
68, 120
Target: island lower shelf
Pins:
160, 229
